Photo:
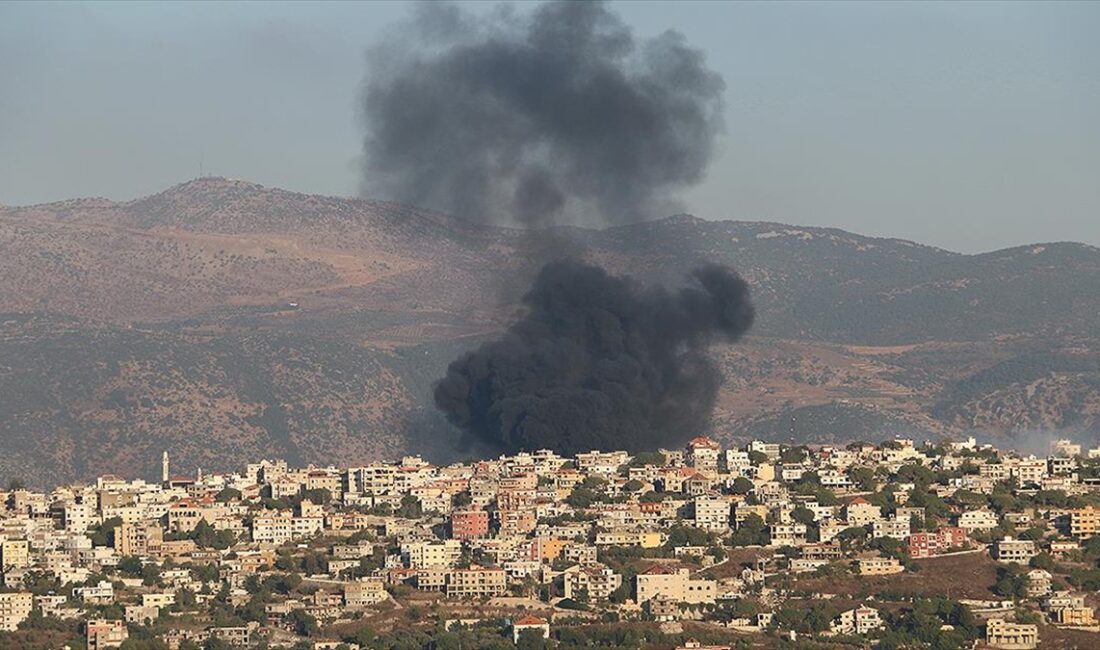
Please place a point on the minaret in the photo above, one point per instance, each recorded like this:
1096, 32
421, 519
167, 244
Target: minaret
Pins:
164, 468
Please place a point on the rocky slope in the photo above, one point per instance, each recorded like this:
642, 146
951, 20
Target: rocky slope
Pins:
222, 320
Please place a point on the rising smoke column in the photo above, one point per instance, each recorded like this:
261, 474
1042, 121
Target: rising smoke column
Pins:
560, 116
599, 362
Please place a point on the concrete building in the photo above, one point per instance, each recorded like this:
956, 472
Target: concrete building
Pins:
977, 520
476, 582
897, 528
1011, 636
139, 539
596, 581
365, 592
418, 555
15, 607
861, 620
879, 566
1084, 522
924, 545
860, 512
702, 454
469, 524
1019, 551
642, 538
273, 528
526, 623
101, 633
712, 513
675, 585
15, 554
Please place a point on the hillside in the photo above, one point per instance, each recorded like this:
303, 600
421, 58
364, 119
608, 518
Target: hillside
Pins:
222, 320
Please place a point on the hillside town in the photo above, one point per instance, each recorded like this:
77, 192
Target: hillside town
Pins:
941, 544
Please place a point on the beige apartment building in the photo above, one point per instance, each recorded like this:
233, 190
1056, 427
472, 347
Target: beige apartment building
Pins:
363, 593
1084, 522
14, 609
712, 513
1019, 551
645, 539
675, 585
419, 555
1011, 636
272, 529
598, 582
1074, 616
138, 539
879, 566
476, 581
15, 554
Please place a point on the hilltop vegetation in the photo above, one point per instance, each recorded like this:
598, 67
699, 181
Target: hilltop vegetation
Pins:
220, 319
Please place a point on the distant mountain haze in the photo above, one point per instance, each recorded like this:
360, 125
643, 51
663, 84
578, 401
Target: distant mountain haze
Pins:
225, 321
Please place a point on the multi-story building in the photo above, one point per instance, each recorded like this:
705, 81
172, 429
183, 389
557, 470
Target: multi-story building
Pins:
702, 454
923, 545
142, 538
419, 555
860, 512
861, 620
674, 584
1074, 616
642, 538
787, 534
1029, 471
1084, 522
476, 582
364, 592
517, 522
879, 566
712, 513
15, 607
101, 633
14, 554
597, 581
977, 520
272, 528
100, 594
1011, 636
1019, 551
769, 449
895, 527
469, 524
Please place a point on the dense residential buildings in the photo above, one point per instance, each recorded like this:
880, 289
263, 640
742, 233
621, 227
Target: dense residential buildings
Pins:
703, 533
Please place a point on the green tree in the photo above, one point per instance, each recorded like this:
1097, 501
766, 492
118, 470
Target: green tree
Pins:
803, 515
531, 640
303, 623
228, 494
741, 485
105, 534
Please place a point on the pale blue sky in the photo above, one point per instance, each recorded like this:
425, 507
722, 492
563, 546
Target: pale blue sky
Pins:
967, 126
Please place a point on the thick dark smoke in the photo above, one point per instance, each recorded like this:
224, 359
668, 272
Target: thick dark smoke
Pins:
556, 117
550, 118
599, 362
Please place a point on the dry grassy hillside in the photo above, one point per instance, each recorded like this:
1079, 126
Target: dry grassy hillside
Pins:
222, 320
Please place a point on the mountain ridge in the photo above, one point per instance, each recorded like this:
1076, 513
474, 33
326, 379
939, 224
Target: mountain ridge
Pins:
225, 312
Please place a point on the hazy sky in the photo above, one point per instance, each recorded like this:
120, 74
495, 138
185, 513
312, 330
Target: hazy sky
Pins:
967, 126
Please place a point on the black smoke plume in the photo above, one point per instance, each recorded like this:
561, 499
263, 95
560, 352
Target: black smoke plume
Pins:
556, 117
599, 362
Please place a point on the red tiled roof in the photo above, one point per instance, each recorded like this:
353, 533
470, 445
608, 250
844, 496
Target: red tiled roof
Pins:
529, 621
